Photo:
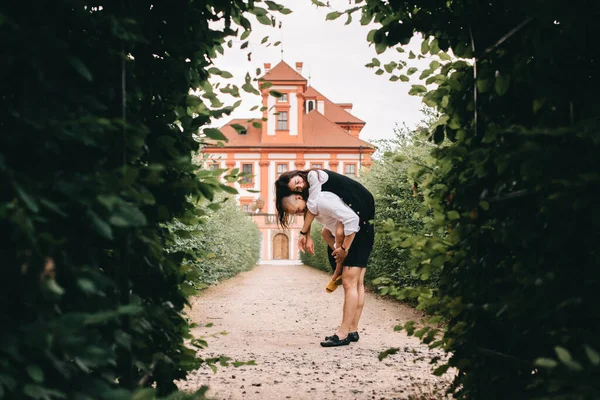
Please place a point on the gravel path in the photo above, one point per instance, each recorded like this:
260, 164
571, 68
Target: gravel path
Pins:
277, 315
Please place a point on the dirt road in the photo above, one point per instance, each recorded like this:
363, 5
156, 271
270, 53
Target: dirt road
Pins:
277, 315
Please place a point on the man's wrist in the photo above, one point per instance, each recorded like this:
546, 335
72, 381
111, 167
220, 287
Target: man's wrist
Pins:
343, 248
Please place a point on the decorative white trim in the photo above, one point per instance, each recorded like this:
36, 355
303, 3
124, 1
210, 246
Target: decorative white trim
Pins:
270, 199
314, 156
246, 156
284, 87
272, 118
293, 116
348, 157
282, 156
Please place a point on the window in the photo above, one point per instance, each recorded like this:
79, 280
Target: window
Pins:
246, 207
283, 98
282, 121
310, 107
281, 168
247, 169
320, 166
350, 170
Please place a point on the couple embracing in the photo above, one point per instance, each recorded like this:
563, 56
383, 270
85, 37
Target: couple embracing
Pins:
346, 210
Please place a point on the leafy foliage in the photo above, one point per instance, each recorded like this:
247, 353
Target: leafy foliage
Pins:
399, 212
224, 243
318, 260
98, 131
513, 233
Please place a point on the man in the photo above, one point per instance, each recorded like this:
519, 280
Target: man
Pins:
353, 254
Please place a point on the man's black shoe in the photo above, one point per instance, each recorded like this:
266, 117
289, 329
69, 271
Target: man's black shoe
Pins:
335, 341
353, 336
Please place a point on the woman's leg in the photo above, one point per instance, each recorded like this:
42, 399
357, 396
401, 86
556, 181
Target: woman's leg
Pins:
350, 278
361, 300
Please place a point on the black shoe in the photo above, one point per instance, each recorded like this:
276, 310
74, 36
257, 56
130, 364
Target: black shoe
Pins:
353, 336
335, 341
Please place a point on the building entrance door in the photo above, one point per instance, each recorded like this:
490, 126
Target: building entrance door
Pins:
281, 247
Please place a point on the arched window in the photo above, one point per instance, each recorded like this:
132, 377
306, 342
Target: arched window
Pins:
310, 107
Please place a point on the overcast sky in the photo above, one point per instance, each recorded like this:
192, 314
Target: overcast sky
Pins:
334, 55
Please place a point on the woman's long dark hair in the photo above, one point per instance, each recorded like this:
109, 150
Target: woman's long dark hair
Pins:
282, 190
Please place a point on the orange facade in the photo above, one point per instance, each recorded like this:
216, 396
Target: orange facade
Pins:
303, 129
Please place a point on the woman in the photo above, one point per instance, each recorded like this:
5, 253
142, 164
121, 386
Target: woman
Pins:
292, 191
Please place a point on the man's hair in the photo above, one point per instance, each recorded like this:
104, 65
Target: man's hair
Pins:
282, 191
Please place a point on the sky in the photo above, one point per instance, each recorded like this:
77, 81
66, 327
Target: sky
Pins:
334, 56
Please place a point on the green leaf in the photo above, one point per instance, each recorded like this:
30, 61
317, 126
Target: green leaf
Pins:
545, 363
592, 355
333, 15
263, 19
379, 72
404, 78
502, 83
484, 205
264, 40
453, 215
215, 134
565, 357
81, 68
29, 201
425, 46
390, 67
411, 70
228, 189
101, 227
434, 47
417, 89
444, 56
380, 47
36, 373
371, 35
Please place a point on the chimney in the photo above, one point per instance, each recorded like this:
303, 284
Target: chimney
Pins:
267, 67
299, 67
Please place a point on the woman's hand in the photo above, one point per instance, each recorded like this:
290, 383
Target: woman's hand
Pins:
340, 255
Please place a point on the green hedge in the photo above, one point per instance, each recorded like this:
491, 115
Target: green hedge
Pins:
396, 205
224, 243
512, 217
98, 128
319, 259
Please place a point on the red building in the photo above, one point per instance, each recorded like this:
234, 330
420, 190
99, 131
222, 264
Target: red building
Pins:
303, 129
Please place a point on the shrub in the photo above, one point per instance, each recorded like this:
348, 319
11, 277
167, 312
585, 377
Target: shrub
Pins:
223, 243
514, 221
318, 260
98, 131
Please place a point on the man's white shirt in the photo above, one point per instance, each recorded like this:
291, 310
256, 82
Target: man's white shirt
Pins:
328, 208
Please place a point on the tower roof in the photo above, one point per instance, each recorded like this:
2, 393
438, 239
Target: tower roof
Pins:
282, 72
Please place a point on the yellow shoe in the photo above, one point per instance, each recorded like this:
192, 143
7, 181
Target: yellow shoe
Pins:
332, 285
